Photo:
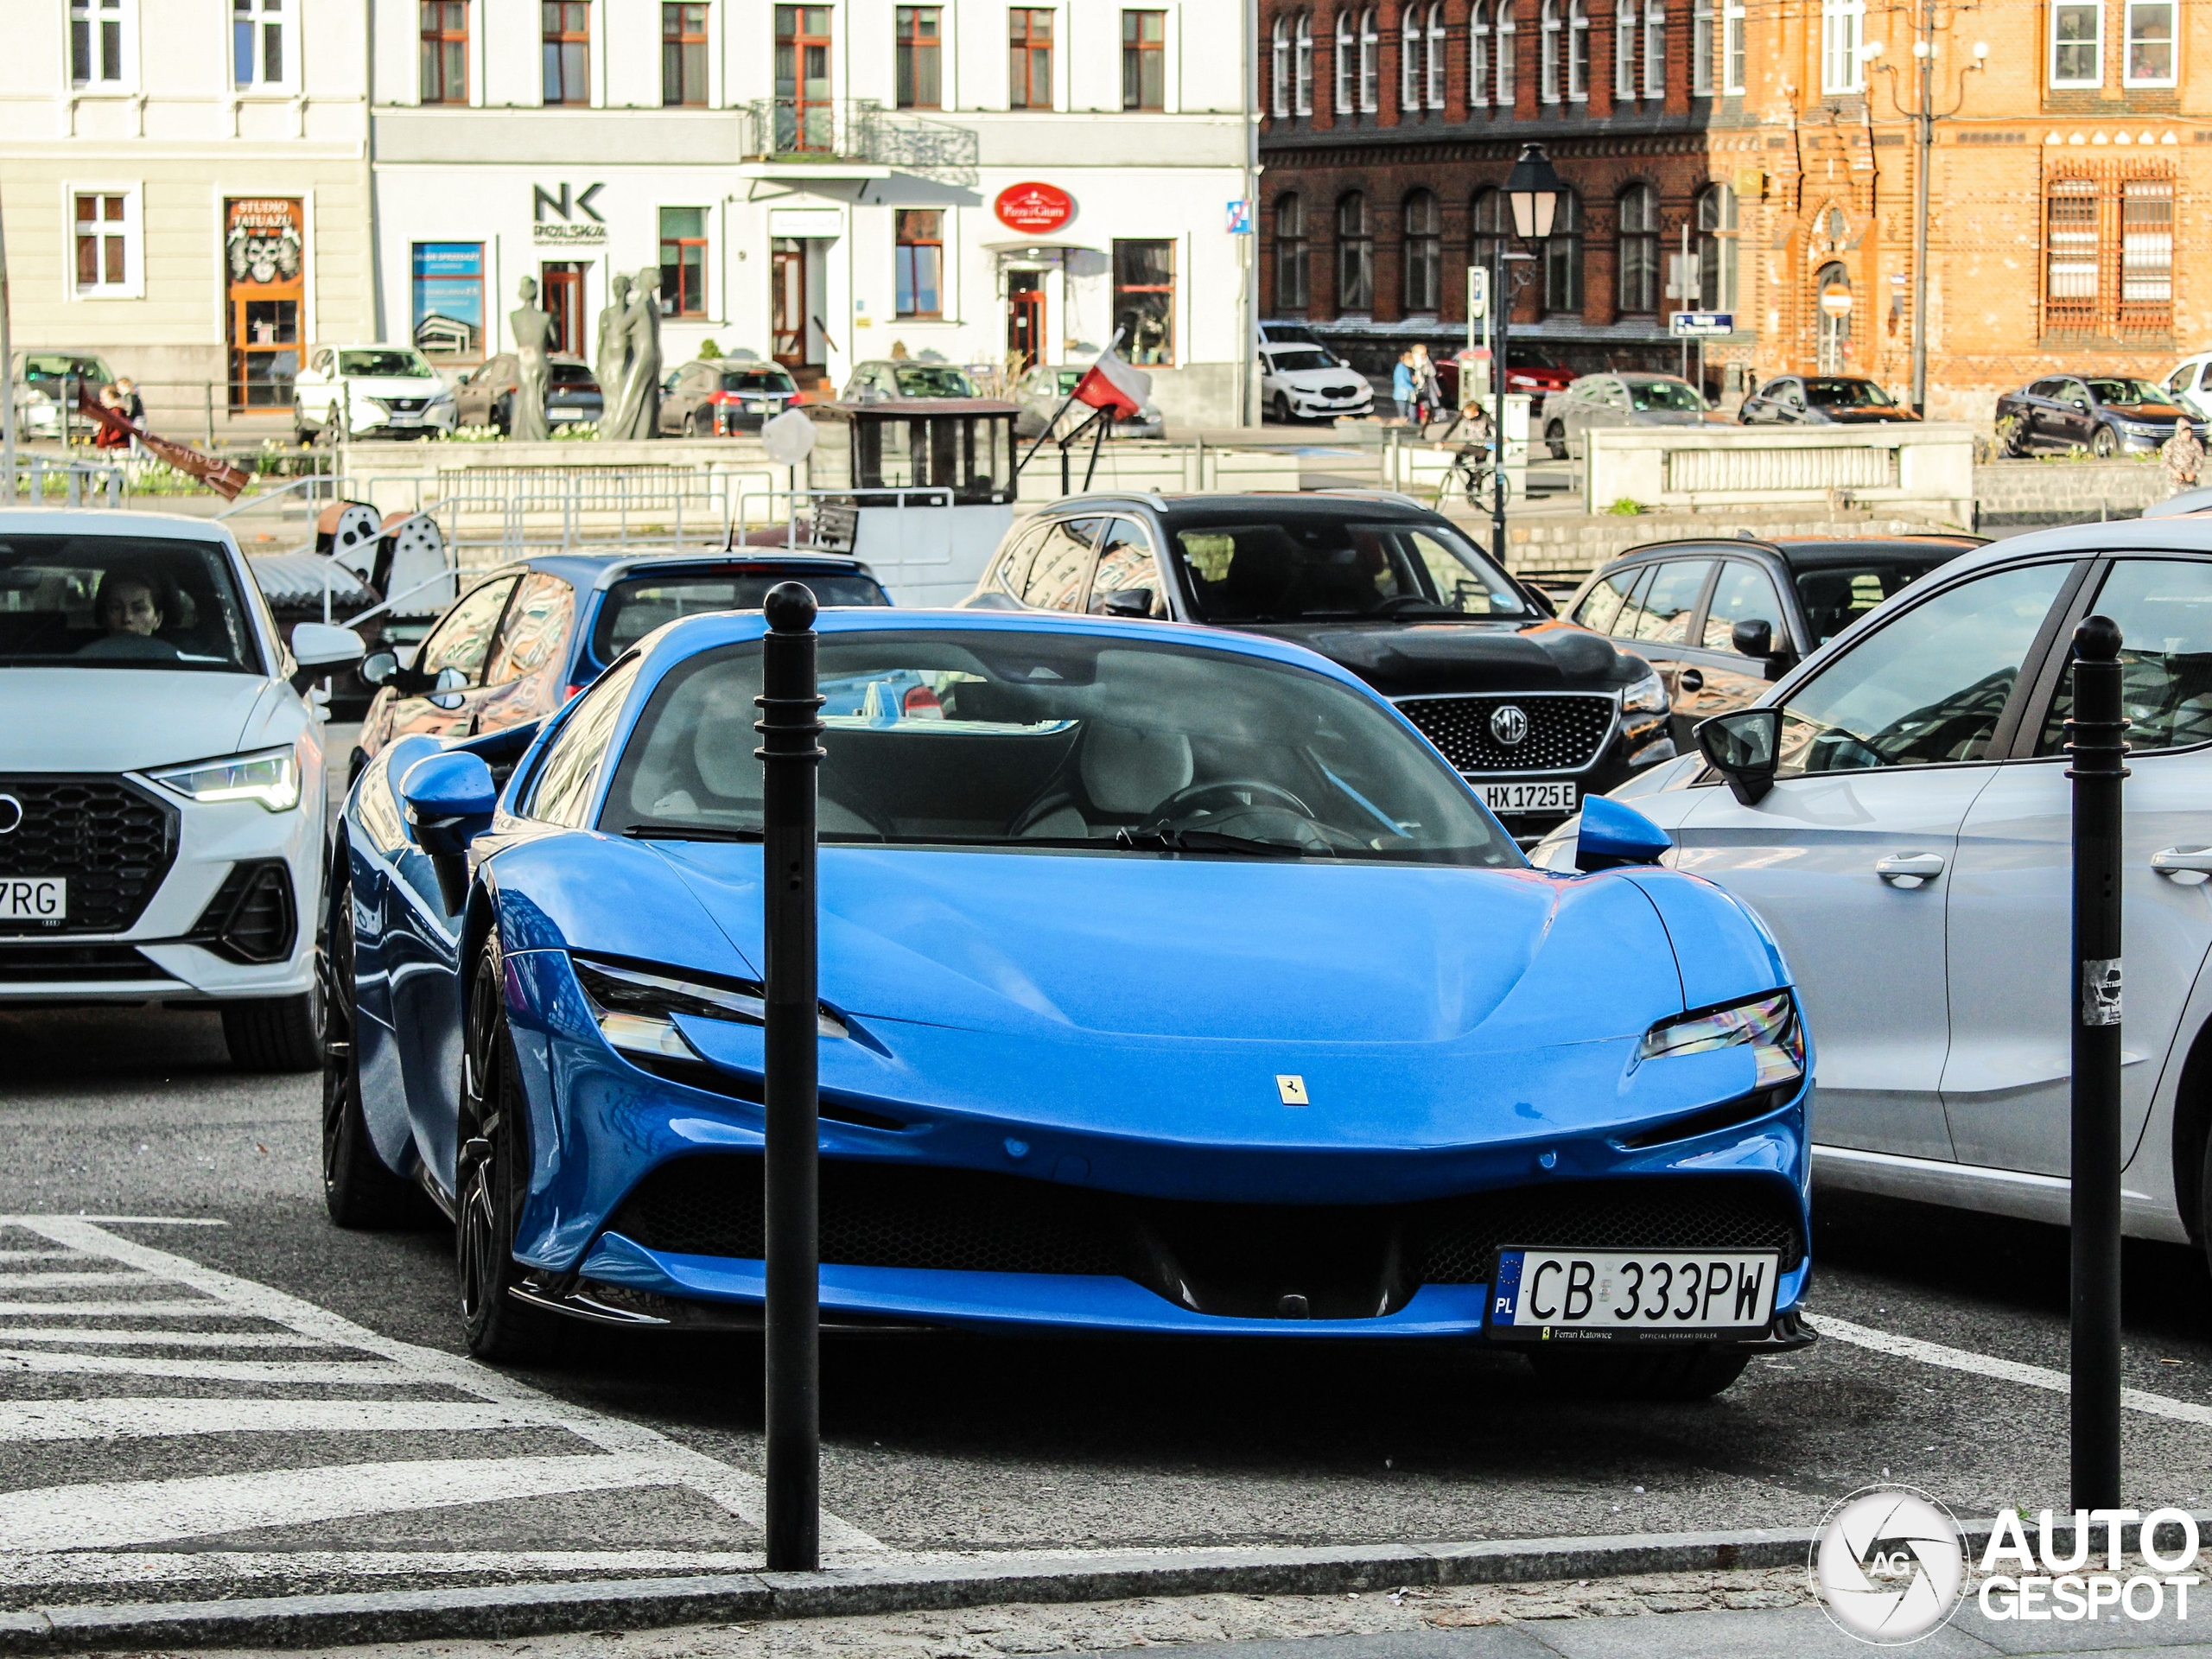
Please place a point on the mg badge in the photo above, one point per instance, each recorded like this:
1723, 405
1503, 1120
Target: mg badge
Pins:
1508, 725
11, 815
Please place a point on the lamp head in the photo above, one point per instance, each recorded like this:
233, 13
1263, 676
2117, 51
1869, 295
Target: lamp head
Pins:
1534, 189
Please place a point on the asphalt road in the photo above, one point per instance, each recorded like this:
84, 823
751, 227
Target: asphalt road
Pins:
257, 1402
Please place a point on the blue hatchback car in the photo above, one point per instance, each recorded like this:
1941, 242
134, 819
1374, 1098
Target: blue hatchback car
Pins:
1172, 984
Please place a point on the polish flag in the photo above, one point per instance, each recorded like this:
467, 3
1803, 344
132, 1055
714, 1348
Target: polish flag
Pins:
1111, 385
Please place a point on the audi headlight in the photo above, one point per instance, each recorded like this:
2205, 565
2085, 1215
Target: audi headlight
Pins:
1647, 696
271, 778
1768, 1024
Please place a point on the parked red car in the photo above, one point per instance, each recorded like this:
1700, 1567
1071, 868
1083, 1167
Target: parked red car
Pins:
1527, 369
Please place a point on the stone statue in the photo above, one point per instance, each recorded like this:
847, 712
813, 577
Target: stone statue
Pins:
638, 412
533, 335
611, 359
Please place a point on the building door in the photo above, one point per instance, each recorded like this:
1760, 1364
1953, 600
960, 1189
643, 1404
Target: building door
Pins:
561, 284
789, 285
264, 252
1025, 317
1832, 293
805, 116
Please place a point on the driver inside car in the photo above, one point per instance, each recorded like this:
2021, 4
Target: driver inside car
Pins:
130, 615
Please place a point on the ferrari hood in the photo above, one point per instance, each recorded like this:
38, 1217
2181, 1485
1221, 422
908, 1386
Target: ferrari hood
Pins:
121, 719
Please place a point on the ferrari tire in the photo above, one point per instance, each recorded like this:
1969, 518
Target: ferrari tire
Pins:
275, 1033
492, 1174
358, 1191
1655, 1374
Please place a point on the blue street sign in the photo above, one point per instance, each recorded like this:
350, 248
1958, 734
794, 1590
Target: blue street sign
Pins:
1240, 217
1702, 324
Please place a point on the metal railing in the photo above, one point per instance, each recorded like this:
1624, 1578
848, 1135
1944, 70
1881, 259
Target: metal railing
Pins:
859, 129
76, 483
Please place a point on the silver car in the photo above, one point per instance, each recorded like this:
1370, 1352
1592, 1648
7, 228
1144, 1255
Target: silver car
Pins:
1044, 392
1619, 400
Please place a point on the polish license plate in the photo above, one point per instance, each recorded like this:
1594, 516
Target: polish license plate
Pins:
1528, 798
1615, 1295
403, 417
38, 899
564, 414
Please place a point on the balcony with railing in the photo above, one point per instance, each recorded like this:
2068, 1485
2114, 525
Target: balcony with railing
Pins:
825, 133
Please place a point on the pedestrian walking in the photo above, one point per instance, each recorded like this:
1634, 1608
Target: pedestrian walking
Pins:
1402, 387
1428, 387
2183, 453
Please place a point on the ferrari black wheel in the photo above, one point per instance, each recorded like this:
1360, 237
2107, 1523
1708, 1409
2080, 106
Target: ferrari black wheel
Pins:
358, 1191
1639, 1374
492, 1173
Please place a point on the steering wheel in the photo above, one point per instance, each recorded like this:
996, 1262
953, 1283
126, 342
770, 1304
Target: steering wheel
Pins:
1193, 797
1397, 602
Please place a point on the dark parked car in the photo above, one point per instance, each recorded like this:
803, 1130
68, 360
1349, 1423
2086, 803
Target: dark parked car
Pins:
1720, 619
1535, 712
2104, 414
486, 397
530, 636
1821, 400
713, 398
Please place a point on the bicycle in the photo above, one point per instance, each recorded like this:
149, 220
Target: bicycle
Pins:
1473, 474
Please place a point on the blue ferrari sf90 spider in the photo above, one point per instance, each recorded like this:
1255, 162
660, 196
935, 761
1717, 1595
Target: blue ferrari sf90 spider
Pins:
1172, 984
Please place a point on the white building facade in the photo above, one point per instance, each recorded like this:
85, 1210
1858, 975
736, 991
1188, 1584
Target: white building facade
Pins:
186, 191
826, 184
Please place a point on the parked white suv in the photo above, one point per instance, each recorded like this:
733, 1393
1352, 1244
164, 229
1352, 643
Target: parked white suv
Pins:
387, 390
162, 798
1912, 854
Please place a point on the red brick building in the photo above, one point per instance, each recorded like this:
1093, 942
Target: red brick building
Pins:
1771, 136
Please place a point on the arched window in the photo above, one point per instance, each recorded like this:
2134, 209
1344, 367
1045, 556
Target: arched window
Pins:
1303, 79
1563, 258
1716, 248
1355, 257
1280, 101
1655, 48
1834, 340
1371, 60
1290, 253
1624, 49
1639, 249
1424, 251
1577, 51
1503, 82
1409, 66
1434, 60
1478, 55
1347, 62
1547, 52
1489, 222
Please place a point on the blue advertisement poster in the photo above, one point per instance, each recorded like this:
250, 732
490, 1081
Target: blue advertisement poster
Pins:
449, 299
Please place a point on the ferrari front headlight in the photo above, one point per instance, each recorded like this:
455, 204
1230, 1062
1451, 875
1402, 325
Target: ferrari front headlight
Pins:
1768, 1024
271, 777
1647, 696
634, 1007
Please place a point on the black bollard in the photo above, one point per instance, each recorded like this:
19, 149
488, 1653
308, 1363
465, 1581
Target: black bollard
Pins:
789, 755
2098, 743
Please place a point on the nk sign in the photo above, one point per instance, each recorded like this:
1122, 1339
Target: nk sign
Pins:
1703, 325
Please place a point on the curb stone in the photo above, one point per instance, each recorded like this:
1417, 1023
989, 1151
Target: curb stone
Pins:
912, 1584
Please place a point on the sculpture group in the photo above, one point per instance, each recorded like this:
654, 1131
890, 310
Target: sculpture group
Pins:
627, 360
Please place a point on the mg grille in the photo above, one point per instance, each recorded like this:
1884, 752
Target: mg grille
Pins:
1561, 733
112, 841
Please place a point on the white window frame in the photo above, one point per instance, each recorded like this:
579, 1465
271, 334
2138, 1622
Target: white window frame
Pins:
1505, 60
2095, 43
259, 16
1547, 45
125, 79
1370, 64
2128, 77
1410, 71
1732, 46
1437, 36
1346, 66
1655, 49
1843, 29
1279, 100
1577, 51
1624, 81
133, 285
1702, 44
1302, 51
1478, 83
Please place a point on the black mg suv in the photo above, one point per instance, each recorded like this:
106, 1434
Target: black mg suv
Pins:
1534, 711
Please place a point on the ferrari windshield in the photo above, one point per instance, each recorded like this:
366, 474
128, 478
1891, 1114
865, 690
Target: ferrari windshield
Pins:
1288, 569
1058, 741
121, 601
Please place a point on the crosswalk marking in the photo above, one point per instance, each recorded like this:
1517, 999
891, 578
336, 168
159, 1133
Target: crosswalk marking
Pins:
110, 1514
108, 1420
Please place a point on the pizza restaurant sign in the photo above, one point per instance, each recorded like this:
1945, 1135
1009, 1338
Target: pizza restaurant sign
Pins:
1033, 208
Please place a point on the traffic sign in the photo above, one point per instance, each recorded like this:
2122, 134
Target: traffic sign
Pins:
1477, 292
1835, 300
1240, 217
1702, 324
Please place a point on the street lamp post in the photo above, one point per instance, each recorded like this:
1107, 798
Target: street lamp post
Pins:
1532, 190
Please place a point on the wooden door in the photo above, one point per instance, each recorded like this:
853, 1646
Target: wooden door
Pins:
1025, 317
561, 285
789, 286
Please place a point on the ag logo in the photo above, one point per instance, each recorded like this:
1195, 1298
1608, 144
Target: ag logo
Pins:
1509, 724
11, 815
1890, 1564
